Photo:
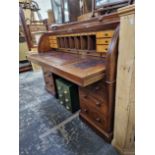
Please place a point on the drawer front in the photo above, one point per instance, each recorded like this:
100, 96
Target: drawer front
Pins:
53, 45
53, 41
49, 83
97, 90
95, 95
52, 37
97, 118
103, 41
104, 34
94, 103
102, 48
48, 78
48, 75
50, 89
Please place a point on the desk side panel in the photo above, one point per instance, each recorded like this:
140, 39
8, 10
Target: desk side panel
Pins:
44, 45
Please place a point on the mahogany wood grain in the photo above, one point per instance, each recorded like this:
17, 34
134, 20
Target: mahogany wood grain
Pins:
44, 45
96, 128
82, 70
95, 24
109, 92
49, 81
96, 117
94, 72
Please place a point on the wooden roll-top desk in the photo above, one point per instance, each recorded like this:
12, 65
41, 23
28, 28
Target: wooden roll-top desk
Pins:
84, 53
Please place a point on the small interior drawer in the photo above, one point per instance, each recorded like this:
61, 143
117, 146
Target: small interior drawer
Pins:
104, 34
54, 46
103, 41
52, 37
53, 41
102, 48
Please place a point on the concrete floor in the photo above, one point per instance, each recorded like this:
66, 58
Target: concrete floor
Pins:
47, 128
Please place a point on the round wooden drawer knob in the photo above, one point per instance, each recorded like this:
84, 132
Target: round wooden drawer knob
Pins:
85, 110
106, 34
97, 87
98, 119
98, 104
106, 41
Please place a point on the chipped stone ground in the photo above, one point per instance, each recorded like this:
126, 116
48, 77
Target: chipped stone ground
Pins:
47, 128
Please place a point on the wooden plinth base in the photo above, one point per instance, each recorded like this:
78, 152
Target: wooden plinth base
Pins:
106, 136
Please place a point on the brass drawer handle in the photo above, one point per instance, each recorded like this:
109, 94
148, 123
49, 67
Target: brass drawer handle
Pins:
98, 119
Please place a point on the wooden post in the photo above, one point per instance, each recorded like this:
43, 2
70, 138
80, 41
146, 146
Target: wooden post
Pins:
124, 126
25, 28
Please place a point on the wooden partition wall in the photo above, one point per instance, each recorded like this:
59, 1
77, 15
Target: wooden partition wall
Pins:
124, 122
95, 41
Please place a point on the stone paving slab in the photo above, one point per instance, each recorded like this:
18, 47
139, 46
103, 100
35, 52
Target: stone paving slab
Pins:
47, 128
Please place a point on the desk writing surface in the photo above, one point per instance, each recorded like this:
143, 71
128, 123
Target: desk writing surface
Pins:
82, 70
